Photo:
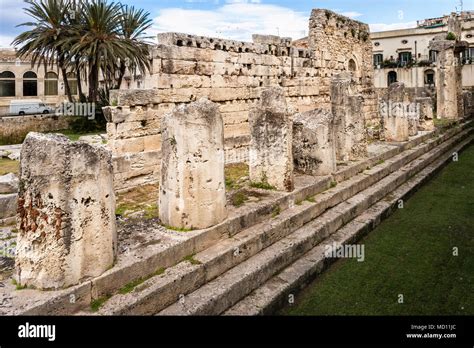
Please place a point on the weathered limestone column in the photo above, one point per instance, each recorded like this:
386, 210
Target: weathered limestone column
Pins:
426, 114
351, 139
66, 212
395, 120
314, 151
448, 78
468, 104
192, 188
271, 134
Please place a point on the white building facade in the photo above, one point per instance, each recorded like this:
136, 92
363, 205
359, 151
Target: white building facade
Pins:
404, 55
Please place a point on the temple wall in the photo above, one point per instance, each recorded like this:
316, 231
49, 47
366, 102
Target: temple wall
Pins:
233, 74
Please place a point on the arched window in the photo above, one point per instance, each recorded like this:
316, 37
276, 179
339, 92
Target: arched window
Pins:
7, 84
430, 77
30, 84
352, 65
392, 77
71, 79
51, 84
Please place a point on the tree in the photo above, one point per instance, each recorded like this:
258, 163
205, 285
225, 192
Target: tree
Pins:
133, 24
91, 38
41, 43
97, 40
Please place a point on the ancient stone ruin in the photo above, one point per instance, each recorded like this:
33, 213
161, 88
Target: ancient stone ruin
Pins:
271, 141
395, 117
314, 150
192, 186
66, 212
449, 78
426, 122
298, 120
349, 123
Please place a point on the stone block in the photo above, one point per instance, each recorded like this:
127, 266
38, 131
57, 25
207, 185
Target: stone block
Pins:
271, 131
314, 151
66, 212
349, 122
192, 188
8, 183
8, 205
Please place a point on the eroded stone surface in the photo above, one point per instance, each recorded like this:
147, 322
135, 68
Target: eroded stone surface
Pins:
8, 183
271, 128
314, 151
393, 112
351, 140
192, 188
8, 204
426, 122
66, 212
448, 78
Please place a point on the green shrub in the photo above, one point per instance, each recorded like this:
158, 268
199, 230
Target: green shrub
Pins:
451, 36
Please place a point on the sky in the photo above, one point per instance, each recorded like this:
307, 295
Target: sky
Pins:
239, 19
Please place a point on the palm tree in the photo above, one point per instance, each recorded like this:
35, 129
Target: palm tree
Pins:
98, 42
42, 42
90, 38
133, 24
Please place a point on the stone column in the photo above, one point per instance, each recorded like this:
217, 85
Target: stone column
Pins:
426, 114
314, 152
66, 212
468, 104
271, 134
349, 123
192, 188
449, 79
395, 120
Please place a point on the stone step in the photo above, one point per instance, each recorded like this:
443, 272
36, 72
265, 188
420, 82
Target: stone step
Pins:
140, 265
218, 295
275, 293
160, 291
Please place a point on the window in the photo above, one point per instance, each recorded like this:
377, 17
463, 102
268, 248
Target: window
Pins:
404, 58
352, 65
430, 77
404, 42
468, 56
433, 56
30, 84
377, 44
378, 59
72, 81
392, 77
7, 84
51, 84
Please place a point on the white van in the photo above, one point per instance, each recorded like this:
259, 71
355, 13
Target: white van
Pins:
29, 106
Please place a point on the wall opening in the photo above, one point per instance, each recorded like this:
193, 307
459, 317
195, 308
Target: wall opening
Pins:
392, 77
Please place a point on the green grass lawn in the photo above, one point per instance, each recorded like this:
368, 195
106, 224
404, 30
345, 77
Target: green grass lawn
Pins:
9, 166
411, 253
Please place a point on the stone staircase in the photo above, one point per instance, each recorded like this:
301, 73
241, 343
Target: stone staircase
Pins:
252, 270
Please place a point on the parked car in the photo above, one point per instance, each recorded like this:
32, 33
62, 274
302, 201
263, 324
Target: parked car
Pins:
29, 106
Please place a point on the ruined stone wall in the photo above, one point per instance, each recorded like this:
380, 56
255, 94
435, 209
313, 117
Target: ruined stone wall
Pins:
15, 128
233, 75
342, 44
